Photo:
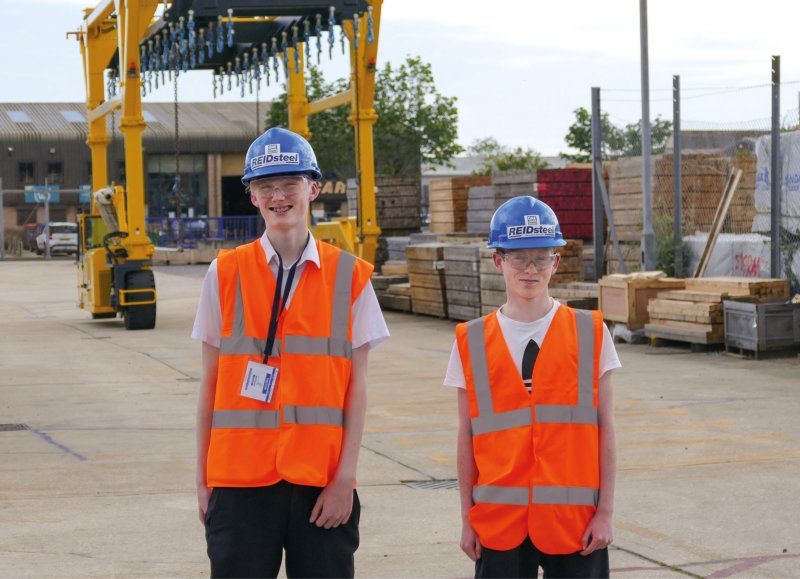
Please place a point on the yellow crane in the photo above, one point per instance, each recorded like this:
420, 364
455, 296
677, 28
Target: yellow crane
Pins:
139, 47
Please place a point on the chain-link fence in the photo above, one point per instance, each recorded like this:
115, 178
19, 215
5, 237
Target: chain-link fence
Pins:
724, 185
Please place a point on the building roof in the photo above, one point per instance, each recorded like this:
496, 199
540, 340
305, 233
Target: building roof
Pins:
464, 166
66, 121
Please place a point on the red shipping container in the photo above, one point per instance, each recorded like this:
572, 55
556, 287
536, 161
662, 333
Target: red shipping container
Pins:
558, 203
563, 175
564, 188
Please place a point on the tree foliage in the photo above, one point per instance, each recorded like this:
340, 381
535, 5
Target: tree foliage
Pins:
416, 124
497, 157
617, 142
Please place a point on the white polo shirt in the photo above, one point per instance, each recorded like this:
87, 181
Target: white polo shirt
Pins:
369, 327
517, 334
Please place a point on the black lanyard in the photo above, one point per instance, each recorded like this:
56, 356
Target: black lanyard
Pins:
278, 304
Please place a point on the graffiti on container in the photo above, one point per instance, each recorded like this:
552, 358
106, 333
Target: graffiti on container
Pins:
747, 265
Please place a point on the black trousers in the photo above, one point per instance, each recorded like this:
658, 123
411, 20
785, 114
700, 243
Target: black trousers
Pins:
525, 560
247, 530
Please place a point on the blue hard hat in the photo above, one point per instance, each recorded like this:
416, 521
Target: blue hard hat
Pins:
524, 223
279, 152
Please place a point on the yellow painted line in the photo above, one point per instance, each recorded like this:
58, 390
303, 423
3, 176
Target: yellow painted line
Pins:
661, 537
753, 459
683, 425
746, 438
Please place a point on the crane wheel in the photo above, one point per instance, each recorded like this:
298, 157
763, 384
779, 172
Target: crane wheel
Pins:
140, 317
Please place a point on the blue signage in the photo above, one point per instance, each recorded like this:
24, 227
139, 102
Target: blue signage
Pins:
39, 193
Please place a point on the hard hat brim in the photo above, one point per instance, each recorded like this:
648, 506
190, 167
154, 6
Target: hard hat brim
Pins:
528, 243
314, 175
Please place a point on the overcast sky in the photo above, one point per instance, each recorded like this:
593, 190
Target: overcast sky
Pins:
518, 72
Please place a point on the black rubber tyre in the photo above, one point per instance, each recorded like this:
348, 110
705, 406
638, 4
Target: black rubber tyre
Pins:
140, 317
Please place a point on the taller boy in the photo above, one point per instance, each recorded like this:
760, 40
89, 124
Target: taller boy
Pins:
536, 451
286, 322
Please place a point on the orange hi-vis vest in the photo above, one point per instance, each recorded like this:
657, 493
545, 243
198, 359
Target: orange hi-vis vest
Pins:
297, 436
537, 454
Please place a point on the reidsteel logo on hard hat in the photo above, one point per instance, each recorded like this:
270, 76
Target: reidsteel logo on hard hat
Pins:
532, 228
273, 156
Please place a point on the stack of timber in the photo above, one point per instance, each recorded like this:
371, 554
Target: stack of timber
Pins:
462, 280
493, 287
568, 192
624, 297
394, 268
396, 248
483, 200
448, 202
581, 295
426, 275
398, 204
703, 179
571, 266
396, 297
686, 316
695, 314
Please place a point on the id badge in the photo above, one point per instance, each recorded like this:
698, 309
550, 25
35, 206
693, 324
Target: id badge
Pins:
259, 381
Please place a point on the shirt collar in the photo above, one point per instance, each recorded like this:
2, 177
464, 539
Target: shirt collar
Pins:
310, 253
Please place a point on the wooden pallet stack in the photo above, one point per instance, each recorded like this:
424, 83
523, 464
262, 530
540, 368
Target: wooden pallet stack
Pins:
581, 295
483, 200
398, 204
426, 275
448, 202
568, 192
570, 268
703, 179
624, 297
462, 280
391, 293
695, 314
493, 286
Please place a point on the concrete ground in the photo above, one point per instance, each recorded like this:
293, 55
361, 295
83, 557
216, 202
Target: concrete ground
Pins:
102, 482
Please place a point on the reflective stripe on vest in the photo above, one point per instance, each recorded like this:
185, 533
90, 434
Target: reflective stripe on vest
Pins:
542, 495
490, 421
337, 345
322, 415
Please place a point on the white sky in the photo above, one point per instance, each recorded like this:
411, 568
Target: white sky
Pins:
518, 72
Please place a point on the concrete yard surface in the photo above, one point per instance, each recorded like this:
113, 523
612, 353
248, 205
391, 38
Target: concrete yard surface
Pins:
100, 481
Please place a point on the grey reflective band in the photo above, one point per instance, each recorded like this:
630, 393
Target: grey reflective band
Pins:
497, 495
325, 415
585, 326
337, 345
341, 348
551, 413
480, 369
501, 421
490, 421
565, 496
245, 419
342, 290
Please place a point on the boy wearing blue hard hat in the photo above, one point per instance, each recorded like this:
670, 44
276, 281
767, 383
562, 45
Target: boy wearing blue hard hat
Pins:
286, 324
536, 446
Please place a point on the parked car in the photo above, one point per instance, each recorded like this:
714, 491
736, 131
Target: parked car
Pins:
63, 238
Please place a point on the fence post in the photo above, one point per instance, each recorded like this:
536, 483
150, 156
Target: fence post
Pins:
46, 223
597, 199
775, 171
648, 236
676, 154
2, 225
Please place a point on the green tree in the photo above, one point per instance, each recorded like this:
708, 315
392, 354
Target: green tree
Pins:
617, 142
497, 157
416, 124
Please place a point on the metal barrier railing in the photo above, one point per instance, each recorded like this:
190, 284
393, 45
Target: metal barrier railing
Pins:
188, 231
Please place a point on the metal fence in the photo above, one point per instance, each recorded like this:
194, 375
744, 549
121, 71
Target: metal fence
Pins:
187, 232
706, 178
